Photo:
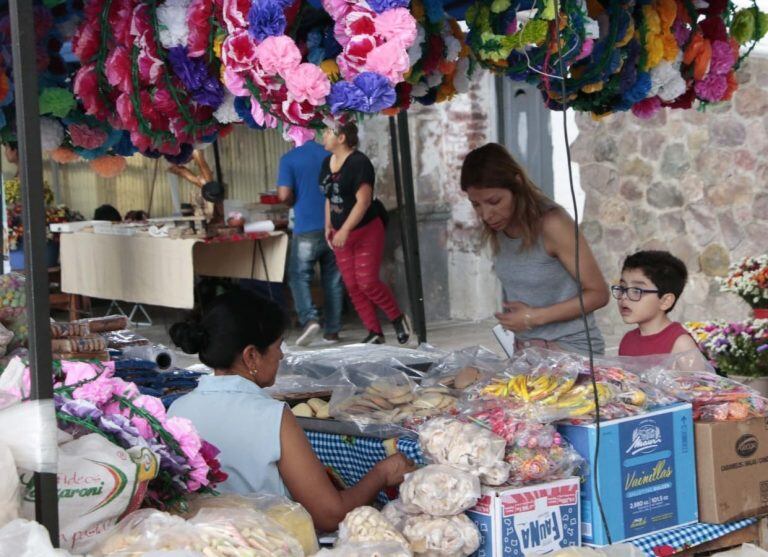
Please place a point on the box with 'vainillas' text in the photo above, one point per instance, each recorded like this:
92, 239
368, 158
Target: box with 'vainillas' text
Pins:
527, 521
646, 474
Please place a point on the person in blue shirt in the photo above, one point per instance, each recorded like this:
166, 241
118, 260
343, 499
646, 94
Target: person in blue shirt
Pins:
299, 187
263, 447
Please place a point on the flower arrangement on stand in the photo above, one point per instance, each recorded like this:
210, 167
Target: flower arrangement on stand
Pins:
749, 280
89, 399
739, 350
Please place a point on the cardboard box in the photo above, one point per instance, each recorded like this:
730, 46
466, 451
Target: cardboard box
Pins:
646, 473
530, 520
732, 469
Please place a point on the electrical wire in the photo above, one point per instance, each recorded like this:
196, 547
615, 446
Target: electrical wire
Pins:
595, 459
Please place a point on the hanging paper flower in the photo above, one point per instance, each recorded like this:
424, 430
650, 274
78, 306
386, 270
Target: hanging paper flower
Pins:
56, 101
62, 155
389, 60
647, 108
396, 25
308, 83
278, 55
86, 137
108, 166
266, 19
172, 18
238, 52
51, 134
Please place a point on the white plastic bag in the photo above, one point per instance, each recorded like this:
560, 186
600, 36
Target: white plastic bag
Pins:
98, 484
366, 524
439, 490
149, 530
26, 538
466, 446
10, 492
454, 536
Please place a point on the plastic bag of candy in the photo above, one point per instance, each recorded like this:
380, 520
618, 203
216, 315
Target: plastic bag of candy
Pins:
13, 309
714, 398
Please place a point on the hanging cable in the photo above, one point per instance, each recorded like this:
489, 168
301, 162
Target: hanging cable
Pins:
595, 394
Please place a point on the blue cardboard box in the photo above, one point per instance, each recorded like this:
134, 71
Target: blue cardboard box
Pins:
646, 472
529, 520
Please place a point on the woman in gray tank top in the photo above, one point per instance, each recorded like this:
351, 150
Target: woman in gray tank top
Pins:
535, 255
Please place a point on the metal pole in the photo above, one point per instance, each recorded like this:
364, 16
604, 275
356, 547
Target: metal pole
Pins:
401, 156
33, 215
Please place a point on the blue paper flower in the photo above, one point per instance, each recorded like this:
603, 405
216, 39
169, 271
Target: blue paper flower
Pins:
640, 89
243, 109
378, 91
266, 19
380, 6
345, 96
196, 78
125, 146
434, 10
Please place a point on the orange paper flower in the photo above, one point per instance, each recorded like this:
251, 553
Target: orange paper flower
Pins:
63, 155
108, 166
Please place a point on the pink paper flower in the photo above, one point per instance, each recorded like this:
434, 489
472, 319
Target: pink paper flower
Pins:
140, 21
299, 135
397, 25
389, 60
77, 372
723, 58
86, 88
647, 108
151, 67
238, 52
278, 55
337, 9
118, 69
298, 113
236, 14
145, 430
185, 434
309, 83
198, 15
198, 476
357, 50
86, 137
141, 141
126, 112
85, 43
712, 88
99, 391
261, 117
153, 405
235, 82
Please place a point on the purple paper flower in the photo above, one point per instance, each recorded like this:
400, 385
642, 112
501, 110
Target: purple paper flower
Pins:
194, 75
121, 427
266, 19
379, 92
380, 6
345, 96
81, 408
211, 93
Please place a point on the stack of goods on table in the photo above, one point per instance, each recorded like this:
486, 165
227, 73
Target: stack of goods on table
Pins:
85, 339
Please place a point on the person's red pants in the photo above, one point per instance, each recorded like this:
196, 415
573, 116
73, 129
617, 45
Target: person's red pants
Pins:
359, 262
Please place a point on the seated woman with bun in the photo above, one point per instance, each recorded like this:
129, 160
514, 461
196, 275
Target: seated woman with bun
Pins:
263, 448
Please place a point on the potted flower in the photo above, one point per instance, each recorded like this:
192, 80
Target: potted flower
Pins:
15, 227
740, 350
749, 279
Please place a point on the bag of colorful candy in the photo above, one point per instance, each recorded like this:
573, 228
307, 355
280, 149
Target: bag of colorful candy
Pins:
535, 451
714, 398
464, 368
13, 309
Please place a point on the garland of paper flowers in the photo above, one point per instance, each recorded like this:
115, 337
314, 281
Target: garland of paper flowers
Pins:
263, 61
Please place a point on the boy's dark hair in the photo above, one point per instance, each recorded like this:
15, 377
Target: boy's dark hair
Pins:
107, 213
667, 273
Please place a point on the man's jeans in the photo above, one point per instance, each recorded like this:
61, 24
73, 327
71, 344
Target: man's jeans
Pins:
306, 251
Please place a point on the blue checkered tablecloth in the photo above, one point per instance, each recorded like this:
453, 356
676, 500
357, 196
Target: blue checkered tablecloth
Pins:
688, 536
351, 458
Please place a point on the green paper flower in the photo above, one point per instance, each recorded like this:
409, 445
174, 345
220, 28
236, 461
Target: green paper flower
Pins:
748, 25
56, 101
548, 12
500, 6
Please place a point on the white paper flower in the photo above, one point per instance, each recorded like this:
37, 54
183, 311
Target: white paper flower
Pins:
667, 82
452, 44
172, 17
415, 52
51, 134
461, 78
226, 113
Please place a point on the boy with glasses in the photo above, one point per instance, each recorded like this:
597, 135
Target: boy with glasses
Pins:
651, 284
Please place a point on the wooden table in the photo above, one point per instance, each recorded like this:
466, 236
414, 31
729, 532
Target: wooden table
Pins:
161, 271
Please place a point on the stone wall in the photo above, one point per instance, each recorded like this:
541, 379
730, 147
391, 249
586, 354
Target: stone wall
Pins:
694, 183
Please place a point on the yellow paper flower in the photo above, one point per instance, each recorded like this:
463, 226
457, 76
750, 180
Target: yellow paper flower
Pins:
331, 69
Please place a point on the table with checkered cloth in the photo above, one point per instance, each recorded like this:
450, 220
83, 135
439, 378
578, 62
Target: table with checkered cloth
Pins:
351, 458
688, 536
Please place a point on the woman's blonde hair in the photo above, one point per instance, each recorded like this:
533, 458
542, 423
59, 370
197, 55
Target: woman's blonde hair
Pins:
492, 166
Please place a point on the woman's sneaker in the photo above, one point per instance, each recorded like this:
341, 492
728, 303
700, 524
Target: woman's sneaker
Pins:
309, 333
373, 338
402, 329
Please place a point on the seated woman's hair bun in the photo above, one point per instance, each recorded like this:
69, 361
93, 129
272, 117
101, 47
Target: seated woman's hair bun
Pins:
189, 336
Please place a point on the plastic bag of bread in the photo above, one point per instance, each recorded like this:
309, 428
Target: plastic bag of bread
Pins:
366, 549
439, 490
26, 538
149, 530
395, 513
466, 446
288, 514
366, 524
452, 536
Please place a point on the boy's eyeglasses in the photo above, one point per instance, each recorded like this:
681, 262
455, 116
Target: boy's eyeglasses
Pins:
633, 293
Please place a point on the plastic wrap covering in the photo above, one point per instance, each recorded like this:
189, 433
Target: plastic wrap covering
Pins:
463, 368
25, 538
439, 490
466, 446
454, 536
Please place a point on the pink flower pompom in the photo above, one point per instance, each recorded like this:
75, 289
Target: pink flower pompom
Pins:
389, 60
309, 83
278, 55
298, 113
151, 67
261, 117
647, 108
337, 9
86, 88
397, 25
235, 83
238, 52
236, 14
586, 49
185, 434
198, 476
152, 405
140, 21
77, 372
723, 58
712, 88
198, 22
126, 112
299, 135
145, 430
98, 391
86, 137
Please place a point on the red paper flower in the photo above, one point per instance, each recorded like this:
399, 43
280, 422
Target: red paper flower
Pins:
684, 101
236, 14
141, 141
151, 67
358, 49
140, 21
714, 29
435, 47
239, 51
86, 89
298, 113
165, 104
85, 43
198, 21
120, 21
359, 23
124, 108
118, 69
86, 137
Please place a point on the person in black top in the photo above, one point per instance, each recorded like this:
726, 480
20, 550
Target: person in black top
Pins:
355, 231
